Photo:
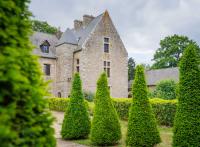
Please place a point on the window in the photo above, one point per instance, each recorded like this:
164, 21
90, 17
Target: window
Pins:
107, 68
77, 69
104, 63
47, 69
108, 63
106, 40
59, 94
106, 45
44, 48
77, 61
77, 65
108, 72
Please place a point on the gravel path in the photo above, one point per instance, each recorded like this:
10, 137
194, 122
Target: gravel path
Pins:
57, 126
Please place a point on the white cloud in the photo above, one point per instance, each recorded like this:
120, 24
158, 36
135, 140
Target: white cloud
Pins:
141, 23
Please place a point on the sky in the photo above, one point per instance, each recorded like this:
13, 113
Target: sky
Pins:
140, 23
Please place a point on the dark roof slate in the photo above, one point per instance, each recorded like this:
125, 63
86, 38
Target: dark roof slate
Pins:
155, 76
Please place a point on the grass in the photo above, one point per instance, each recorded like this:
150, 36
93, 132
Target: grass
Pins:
165, 133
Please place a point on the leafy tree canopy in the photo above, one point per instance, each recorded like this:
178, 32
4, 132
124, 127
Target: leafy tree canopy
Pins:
43, 26
131, 68
170, 51
25, 120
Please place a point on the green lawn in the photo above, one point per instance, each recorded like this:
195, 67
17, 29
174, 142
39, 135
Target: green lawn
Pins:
165, 132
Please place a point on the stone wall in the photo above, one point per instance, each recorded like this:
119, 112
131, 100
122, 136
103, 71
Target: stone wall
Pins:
93, 56
52, 77
64, 69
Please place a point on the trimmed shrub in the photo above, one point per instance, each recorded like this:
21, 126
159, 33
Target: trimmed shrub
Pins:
105, 124
142, 128
76, 123
24, 117
187, 119
165, 89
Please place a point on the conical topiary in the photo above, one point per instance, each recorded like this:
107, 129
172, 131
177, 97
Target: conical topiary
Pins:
105, 124
24, 117
187, 119
142, 129
76, 123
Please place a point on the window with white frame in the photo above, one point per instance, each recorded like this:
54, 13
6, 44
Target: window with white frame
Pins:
106, 44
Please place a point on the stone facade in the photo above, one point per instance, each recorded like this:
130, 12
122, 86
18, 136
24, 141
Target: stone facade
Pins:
83, 49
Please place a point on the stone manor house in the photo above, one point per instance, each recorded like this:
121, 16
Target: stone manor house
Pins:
91, 47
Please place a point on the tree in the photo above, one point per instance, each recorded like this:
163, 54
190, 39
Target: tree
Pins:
142, 129
165, 89
187, 119
24, 116
131, 68
105, 124
76, 123
170, 51
43, 26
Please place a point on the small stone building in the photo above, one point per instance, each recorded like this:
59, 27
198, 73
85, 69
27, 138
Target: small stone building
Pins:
91, 47
153, 77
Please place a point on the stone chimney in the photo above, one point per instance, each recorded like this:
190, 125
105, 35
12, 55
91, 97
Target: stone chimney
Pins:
58, 33
78, 24
87, 19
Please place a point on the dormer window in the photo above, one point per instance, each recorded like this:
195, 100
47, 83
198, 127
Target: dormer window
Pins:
45, 47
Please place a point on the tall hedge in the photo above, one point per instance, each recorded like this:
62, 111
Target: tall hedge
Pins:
187, 119
105, 124
76, 123
142, 129
24, 117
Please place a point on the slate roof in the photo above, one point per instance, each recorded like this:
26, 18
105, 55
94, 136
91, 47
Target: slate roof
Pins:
67, 37
38, 38
78, 37
155, 76
70, 36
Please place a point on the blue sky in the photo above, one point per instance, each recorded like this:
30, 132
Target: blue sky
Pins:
140, 23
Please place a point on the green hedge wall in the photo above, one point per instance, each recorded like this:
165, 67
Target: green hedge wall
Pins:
122, 106
58, 104
164, 110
